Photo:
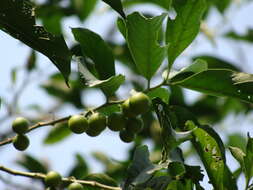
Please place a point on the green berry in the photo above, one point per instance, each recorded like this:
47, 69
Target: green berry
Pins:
97, 123
53, 179
78, 124
139, 103
20, 125
116, 121
21, 142
75, 186
126, 109
126, 136
135, 125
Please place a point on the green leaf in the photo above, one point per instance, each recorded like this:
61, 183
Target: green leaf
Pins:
216, 62
137, 171
142, 36
55, 87
212, 153
83, 8
168, 123
17, 19
238, 154
166, 4
248, 37
58, 133
178, 185
222, 5
108, 110
182, 30
177, 170
100, 178
219, 82
237, 140
121, 24
96, 49
109, 86
32, 164
117, 6
162, 93
248, 160
80, 169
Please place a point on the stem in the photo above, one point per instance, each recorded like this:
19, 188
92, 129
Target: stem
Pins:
70, 180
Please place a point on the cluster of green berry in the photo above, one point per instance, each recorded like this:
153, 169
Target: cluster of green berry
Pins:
20, 126
126, 122
54, 179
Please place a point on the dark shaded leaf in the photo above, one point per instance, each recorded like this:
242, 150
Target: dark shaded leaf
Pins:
184, 28
216, 62
117, 6
58, 133
32, 164
17, 19
101, 178
96, 49
80, 169
83, 8
137, 171
248, 37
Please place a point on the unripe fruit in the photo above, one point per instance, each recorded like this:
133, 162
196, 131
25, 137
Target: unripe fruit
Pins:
20, 125
75, 186
21, 142
126, 109
78, 124
126, 136
116, 122
135, 125
53, 179
139, 103
97, 123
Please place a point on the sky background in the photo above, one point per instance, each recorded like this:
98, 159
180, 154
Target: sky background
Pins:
13, 54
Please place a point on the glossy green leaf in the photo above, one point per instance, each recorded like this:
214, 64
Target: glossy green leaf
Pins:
109, 86
58, 133
117, 6
32, 164
80, 168
162, 93
96, 49
142, 36
219, 82
83, 8
17, 19
121, 24
212, 153
182, 30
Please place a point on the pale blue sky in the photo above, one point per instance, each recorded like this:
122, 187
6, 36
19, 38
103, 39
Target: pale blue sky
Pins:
60, 156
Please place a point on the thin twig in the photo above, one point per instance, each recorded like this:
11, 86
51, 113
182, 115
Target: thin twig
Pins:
52, 122
70, 180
